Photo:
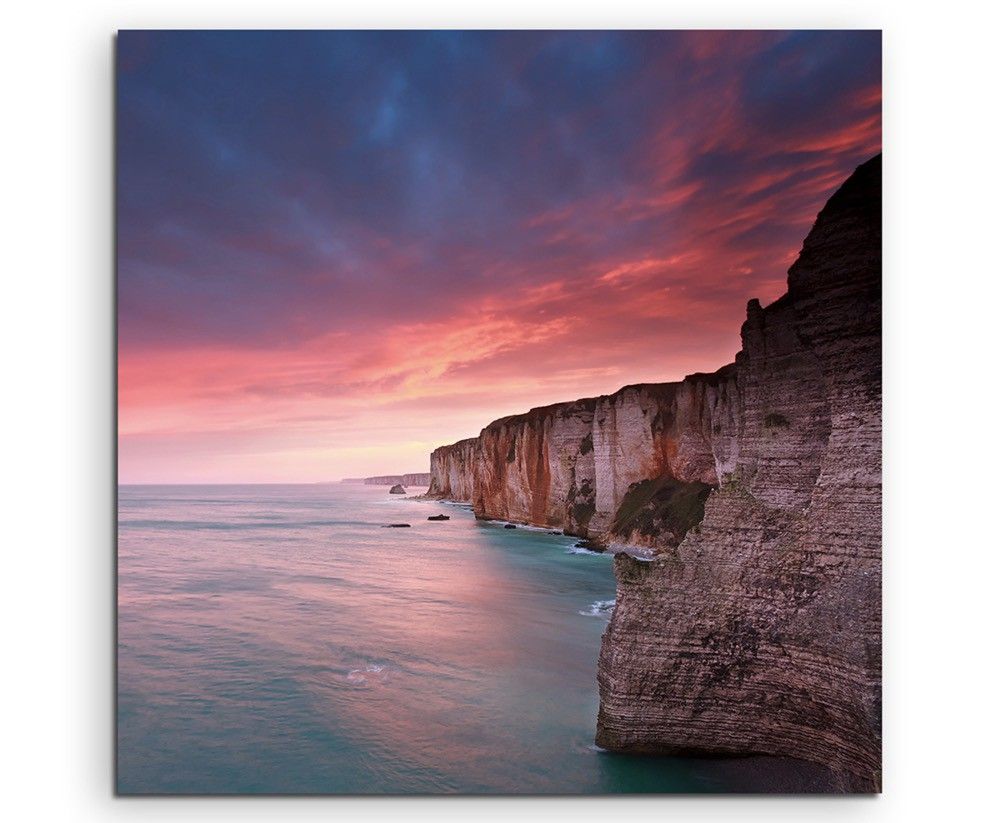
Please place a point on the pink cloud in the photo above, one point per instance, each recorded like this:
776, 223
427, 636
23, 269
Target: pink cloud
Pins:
642, 278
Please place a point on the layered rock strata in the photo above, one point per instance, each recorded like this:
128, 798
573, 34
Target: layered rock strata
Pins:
761, 632
756, 627
582, 466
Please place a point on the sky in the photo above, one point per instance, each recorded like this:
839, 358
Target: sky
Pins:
340, 250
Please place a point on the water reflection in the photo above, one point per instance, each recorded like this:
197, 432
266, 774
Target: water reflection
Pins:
277, 639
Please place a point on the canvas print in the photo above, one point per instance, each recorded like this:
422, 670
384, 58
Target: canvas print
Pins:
499, 412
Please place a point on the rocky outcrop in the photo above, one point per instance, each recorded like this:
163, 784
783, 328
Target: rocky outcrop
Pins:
397, 489
761, 631
756, 490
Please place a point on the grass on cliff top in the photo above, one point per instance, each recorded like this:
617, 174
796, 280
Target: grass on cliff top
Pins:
663, 506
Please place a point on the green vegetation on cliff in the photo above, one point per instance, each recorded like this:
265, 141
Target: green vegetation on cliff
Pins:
663, 506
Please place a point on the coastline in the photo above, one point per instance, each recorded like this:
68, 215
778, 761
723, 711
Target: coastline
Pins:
745, 504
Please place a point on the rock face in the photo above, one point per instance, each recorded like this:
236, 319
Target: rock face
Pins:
588, 466
756, 627
453, 471
397, 489
761, 632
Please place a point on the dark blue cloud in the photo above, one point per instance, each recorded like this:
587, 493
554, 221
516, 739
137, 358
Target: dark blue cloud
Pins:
280, 184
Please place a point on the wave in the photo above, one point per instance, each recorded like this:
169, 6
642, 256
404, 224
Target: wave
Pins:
370, 674
600, 608
575, 550
528, 527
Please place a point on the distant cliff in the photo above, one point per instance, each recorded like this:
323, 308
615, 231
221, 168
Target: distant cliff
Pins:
411, 479
756, 628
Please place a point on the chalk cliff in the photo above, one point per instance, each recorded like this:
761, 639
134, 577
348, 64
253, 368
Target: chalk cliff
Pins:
761, 632
613, 468
756, 627
411, 479
453, 471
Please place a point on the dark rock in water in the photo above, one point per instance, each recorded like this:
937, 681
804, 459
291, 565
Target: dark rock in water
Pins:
590, 546
557, 534
396, 526
509, 526
439, 517
397, 489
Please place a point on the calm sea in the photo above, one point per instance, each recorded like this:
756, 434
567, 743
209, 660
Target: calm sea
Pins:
278, 639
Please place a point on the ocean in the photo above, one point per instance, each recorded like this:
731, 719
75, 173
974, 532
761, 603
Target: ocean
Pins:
279, 639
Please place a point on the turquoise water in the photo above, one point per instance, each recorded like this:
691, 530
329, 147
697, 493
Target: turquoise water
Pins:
277, 639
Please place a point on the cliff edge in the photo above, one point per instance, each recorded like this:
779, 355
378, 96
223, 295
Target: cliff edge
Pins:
761, 633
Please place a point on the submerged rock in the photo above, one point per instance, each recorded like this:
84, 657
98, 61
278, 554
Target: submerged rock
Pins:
396, 526
439, 517
590, 545
509, 526
397, 489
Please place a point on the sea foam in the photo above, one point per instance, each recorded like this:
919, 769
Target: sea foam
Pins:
370, 673
599, 608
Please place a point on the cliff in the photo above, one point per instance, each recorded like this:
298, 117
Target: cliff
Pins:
453, 471
411, 479
756, 627
761, 632
616, 468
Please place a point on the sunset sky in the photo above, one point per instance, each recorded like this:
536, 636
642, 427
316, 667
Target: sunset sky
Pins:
337, 251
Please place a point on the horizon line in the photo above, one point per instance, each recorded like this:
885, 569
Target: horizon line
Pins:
253, 483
